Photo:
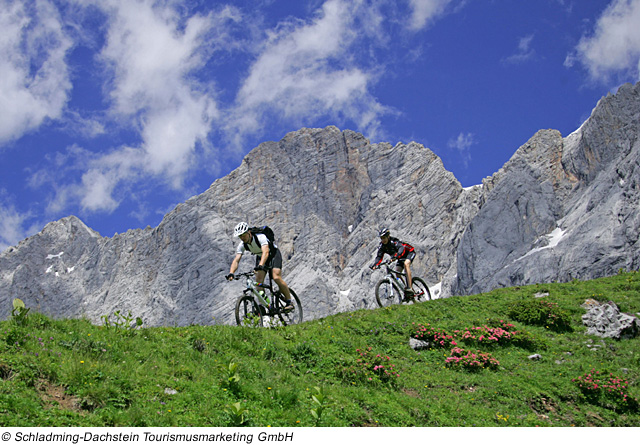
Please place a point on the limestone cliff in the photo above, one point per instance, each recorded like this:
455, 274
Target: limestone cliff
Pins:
561, 208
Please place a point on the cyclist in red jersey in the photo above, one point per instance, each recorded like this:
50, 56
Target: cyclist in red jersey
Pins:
402, 252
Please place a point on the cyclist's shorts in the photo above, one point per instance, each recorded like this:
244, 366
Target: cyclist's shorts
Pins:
274, 262
410, 256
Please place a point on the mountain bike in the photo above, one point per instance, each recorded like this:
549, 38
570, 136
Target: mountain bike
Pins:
259, 305
390, 289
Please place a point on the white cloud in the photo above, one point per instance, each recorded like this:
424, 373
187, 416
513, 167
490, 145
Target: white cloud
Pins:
12, 222
524, 53
152, 60
424, 12
462, 143
306, 70
34, 84
150, 54
614, 47
309, 69
98, 188
85, 126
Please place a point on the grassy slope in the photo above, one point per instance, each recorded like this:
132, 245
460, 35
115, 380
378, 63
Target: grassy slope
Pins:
69, 372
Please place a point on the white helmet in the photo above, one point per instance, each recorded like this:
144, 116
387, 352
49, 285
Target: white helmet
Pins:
240, 229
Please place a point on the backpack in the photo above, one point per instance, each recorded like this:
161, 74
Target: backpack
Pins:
266, 231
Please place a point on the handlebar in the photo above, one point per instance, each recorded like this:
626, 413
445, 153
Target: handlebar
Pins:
248, 275
391, 270
384, 263
245, 274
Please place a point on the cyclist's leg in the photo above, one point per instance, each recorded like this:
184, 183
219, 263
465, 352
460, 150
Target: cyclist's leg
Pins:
399, 267
275, 264
260, 274
407, 269
282, 285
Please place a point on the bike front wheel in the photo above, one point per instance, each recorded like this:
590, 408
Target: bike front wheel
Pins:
248, 312
387, 293
420, 290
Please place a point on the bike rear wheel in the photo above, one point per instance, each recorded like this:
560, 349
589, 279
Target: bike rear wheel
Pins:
293, 316
388, 293
420, 290
248, 312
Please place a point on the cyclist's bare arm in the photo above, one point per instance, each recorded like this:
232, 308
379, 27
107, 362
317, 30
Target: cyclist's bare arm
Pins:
265, 254
234, 264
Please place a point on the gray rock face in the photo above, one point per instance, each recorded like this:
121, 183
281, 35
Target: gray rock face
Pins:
325, 192
561, 208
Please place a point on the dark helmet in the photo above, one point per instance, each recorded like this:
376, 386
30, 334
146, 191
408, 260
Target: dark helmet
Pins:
384, 232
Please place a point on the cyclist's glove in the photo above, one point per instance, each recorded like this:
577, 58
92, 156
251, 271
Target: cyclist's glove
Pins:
257, 268
373, 267
230, 277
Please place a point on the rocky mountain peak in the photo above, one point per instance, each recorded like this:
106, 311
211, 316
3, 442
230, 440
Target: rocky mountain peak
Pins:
560, 208
566, 207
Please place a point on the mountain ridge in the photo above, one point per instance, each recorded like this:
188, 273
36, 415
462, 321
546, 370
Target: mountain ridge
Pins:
586, 196
326, 192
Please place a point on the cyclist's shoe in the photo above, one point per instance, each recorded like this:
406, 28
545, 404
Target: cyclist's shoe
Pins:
288, 306
408, 293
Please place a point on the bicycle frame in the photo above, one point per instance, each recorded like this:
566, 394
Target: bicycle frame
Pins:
395, 281
398, 276
255, 301
255, 287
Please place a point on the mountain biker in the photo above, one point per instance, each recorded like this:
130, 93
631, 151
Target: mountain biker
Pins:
267, 254
402, 252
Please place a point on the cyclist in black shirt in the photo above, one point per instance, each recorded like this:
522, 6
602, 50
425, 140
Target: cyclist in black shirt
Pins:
397, 250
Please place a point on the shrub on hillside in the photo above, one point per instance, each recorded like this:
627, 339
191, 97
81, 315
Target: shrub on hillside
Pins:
499, 333
494, 333
371, 368
609, 391
471, 360
541, 313
437, 338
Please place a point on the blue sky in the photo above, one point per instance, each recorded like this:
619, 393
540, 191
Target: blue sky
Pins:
118, 110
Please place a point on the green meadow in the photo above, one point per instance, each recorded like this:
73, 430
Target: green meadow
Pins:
501, 359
